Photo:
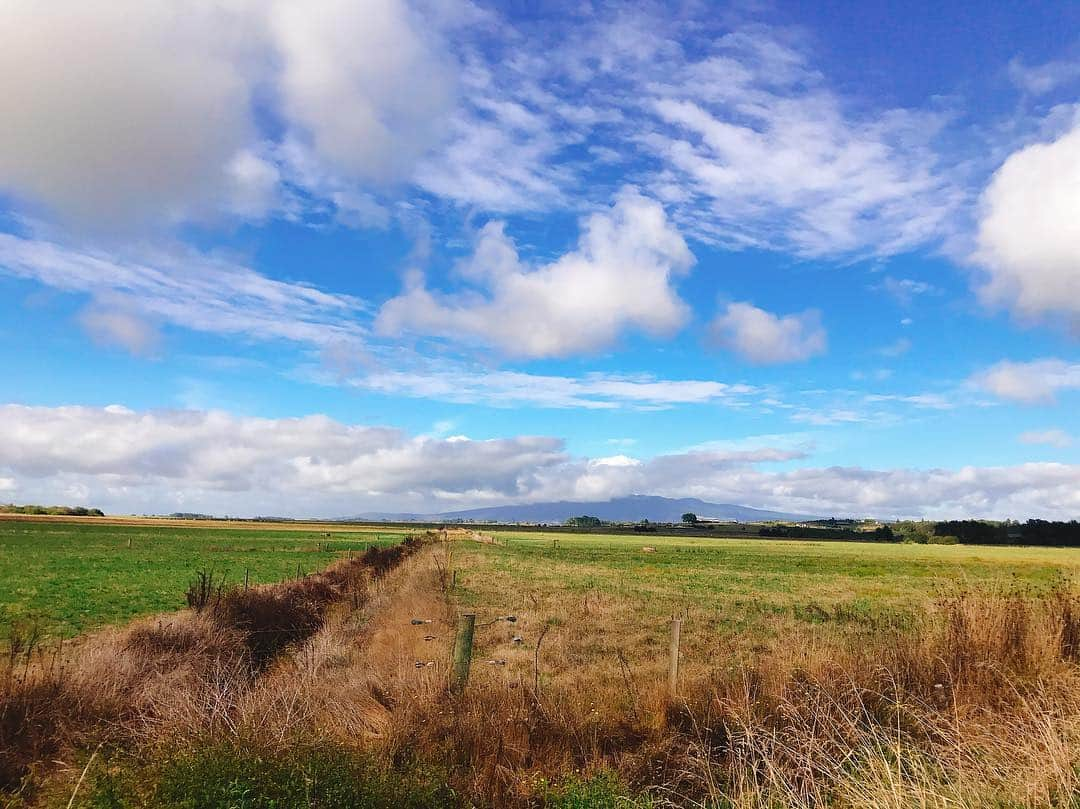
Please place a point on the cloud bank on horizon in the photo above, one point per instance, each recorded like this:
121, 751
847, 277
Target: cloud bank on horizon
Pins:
312, 246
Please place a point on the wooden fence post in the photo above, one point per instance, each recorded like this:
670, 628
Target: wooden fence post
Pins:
673, 662
463, 652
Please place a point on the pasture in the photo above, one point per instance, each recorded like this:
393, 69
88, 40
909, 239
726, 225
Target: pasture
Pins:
744, 586
811, 674
69, 576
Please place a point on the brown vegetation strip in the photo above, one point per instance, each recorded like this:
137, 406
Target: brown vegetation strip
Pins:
122, 681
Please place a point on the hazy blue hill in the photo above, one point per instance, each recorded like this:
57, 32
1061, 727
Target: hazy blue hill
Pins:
621, 509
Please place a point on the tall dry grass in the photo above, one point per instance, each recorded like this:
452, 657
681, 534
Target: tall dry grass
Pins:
977, 705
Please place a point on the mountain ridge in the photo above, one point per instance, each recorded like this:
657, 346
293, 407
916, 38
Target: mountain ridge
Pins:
633, 508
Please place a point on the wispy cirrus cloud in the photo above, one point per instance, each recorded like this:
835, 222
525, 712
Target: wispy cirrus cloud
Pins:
1053, 438
592, 391
188, 290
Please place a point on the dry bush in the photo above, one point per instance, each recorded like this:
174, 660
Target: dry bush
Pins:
115, 684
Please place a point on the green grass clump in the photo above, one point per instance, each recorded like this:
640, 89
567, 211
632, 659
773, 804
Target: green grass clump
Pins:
227, 776
603, 790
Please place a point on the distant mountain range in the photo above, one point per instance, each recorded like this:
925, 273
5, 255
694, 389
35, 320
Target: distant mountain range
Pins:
621, 509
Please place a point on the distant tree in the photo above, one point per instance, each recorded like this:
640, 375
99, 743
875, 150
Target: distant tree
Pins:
884, 533
584, 521
690, 518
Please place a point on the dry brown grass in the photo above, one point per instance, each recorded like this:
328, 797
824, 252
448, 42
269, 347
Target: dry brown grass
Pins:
977, 704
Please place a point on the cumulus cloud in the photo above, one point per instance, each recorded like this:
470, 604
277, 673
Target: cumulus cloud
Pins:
1035, 382
618, 278
764, 338
1054, 438
232, 464
367, 83
129, 109
189, 290
155, 114
1028, 241
160, 461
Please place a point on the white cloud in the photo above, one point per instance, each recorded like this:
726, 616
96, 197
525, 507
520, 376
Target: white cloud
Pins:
1034, 382
928, 401
1028, 240
618, 278
161, 461
593, 391
246, 108
764, 338
155, 115
905, 290
138, 119
502, 145
830, 417
771, 157
120, 328
369, 83
897, 348
1054, 438
188, 290
1043, 78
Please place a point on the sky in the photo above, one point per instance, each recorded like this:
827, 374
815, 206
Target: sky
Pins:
315, 259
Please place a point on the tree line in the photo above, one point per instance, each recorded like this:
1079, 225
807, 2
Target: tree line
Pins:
56, 511
1032, 532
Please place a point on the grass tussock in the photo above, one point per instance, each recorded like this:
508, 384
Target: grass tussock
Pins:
182, 673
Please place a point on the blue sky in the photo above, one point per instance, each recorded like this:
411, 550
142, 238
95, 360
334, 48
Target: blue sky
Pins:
316, 259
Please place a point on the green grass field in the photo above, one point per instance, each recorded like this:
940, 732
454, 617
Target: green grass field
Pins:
68, 577
753, 590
